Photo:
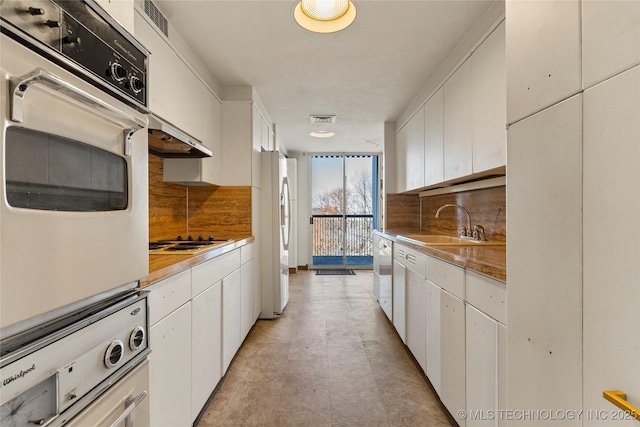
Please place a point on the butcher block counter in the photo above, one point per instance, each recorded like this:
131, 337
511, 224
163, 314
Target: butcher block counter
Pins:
163, 266
487, 260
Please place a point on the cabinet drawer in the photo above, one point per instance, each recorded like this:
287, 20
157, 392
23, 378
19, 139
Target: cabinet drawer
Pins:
487, 295
414, 260
210, 272
246, 253
447, 276
169, 294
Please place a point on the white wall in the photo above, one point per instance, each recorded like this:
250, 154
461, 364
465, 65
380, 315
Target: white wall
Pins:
304, 207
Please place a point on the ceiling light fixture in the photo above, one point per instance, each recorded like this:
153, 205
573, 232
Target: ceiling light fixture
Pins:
322, 134
325, 16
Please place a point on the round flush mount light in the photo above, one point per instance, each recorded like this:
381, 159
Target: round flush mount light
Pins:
325, 16
322, 134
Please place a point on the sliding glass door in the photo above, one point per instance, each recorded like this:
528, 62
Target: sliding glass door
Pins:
343, 207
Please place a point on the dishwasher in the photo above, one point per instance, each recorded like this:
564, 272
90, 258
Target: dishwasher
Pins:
382, 251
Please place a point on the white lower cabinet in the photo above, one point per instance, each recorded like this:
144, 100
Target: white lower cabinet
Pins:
170, 369
196, 329
399, 280
433, 336
206, 349
452, 342
416, 297
481, 368
231, 339
246, 299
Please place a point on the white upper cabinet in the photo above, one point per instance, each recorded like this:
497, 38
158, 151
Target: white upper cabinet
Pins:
401, 161
163, 63
206, 170
458, 123
413, 131
610, 38
434, 139
188, 101
121, 11
489, 103
544, 52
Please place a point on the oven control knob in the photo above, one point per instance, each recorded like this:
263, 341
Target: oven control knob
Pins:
36, 11
52, 24
179, 239
117, 71
114, 354
210, 238
190, 238
135, 84
137, 338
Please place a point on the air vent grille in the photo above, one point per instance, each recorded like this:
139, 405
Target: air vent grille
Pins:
323, 119
156, 16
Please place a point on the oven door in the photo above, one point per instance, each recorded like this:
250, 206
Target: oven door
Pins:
74, 207
126, 404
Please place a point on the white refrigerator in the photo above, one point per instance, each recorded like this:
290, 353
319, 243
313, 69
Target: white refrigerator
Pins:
276, 232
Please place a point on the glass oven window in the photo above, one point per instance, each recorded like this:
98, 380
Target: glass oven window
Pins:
48, 172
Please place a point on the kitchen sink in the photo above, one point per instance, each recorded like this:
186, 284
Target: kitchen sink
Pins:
441, 240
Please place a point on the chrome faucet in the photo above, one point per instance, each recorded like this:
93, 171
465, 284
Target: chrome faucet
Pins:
465, 232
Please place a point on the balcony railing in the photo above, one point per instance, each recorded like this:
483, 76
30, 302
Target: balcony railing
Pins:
335, 236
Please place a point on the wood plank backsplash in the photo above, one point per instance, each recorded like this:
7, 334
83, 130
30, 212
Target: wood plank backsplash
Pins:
487, 207
209, 210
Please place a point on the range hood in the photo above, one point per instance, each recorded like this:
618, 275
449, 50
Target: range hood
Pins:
167, 141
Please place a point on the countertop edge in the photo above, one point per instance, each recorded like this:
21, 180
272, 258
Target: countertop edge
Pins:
178, 263
456, 255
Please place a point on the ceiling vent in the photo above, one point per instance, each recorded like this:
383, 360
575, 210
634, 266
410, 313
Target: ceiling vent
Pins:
157, 17
323, 119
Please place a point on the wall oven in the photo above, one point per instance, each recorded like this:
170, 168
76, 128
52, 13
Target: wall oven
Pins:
73, 217
74, 207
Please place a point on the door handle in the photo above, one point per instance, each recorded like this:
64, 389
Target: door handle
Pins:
619, 399
19, 86
131, 405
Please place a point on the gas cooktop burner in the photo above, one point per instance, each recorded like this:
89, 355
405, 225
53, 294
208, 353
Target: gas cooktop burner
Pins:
186, 246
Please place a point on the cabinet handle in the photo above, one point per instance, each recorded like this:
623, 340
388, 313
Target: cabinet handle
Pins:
619, 398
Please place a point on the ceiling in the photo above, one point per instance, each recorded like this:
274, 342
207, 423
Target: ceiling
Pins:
366, 74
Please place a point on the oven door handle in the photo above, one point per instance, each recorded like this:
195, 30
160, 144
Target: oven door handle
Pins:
20, 85
131, 405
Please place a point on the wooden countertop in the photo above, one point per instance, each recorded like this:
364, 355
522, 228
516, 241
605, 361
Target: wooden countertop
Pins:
490, 261
163, 266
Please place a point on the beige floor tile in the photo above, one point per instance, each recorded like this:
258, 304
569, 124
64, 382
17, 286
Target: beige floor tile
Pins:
333, 359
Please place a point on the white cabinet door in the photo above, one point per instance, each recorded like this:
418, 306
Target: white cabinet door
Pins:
610, 38
543, 54
413, 131
452, 339
433, 336
434, 139
481, 367
169, 369
163, 64
502, 372
246, 299
544, 198
230, 318
206, 349
399, 282
458, 131
121, 11
416, 297
489, 103
188, 114
237, 148
402, 140
611, 212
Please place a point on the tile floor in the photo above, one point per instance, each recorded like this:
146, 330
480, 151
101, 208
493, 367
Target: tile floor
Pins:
332, 359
